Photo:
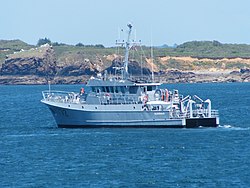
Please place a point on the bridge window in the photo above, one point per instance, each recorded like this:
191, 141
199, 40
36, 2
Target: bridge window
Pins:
112, 89
133, 89
116, 90
107, 89
151, 88
122, 89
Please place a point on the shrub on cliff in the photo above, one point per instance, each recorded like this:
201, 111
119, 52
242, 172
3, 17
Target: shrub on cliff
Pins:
43, 41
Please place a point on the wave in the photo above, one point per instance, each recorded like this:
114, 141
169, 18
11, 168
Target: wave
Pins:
59, 132
232, 127
30, 135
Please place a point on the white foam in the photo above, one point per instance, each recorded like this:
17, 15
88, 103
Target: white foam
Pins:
233, 127
225, 126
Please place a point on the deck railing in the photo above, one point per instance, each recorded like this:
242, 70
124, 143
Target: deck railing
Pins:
61, 97
118, 98
103, 98
196, 114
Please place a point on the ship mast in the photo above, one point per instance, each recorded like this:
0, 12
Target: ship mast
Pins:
127, 47
128, 44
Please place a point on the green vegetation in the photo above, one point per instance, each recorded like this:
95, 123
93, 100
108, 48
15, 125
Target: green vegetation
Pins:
43, 41
236, 65
10, 46
90, 46
212, 49
89, 52
14, 45
199, 49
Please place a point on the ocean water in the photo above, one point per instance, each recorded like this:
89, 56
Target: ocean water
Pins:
35, 153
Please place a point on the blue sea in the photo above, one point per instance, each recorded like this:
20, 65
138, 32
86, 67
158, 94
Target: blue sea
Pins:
35, 153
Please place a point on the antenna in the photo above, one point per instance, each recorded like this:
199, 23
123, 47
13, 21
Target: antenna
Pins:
141, 66
119, 34
119, 38
152, 57
49, 86
135, 34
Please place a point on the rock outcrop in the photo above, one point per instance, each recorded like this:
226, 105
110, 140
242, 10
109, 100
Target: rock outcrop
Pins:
77, 65
36, 61
174, 75
134, 68
244, 74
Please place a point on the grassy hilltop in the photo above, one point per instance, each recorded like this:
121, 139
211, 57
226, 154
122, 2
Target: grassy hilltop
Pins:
195, 55
201, 49
208, 49
10, 46
201, 55
196, 61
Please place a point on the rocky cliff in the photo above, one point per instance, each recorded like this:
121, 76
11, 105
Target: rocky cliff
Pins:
134, 67
38, 65
36, 61
76, 65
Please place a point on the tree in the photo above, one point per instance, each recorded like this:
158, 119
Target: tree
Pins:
43, 41
58, 44
99, 46
79, 44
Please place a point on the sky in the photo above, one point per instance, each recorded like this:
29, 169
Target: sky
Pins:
155, 22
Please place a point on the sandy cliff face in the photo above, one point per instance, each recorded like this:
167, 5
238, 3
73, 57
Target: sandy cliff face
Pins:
203, 64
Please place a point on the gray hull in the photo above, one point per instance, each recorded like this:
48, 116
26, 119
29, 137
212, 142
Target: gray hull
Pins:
68, 118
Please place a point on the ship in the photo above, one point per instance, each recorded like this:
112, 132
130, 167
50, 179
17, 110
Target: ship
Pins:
125, 102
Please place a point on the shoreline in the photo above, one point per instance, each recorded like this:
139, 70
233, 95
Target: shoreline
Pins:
168, 77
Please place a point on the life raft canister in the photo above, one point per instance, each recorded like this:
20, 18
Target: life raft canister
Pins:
162, 94
145, 99
167, 95
82, 90
157, 94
